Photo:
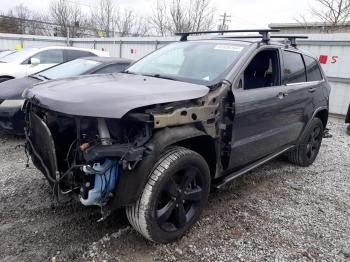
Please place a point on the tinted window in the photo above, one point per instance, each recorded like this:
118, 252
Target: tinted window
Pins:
294, 69
111, 69
262, 71
74, 54
50, 56
313, 71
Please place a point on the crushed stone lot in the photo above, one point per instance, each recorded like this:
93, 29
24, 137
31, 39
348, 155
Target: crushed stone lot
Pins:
276, 212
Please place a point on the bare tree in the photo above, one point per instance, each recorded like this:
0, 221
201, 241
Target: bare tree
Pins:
202, 13
68, 17
159, 19
125, 22
141, 26
171, 16
335, 14
9, 24
103, 18
25, 21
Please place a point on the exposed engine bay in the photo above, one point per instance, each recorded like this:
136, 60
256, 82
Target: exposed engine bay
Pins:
86, 152
88, 155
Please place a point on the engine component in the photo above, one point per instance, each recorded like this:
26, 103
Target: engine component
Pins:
103, 132
99, 183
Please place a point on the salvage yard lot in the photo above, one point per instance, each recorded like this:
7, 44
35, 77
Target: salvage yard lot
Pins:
277, 212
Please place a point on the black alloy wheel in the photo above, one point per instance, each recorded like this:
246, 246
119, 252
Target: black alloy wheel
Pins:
174, 197
179, 199
305, 153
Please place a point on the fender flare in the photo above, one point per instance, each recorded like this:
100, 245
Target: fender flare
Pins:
132, 182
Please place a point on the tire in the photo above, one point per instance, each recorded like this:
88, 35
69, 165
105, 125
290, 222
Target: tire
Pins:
173, 198
307, 150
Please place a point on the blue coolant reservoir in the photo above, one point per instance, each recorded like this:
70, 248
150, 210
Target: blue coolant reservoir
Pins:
106, 176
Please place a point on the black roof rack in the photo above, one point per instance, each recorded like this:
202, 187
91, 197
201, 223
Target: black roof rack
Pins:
263, 32
291, 38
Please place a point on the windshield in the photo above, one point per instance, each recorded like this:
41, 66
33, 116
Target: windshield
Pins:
72, 68
19, 55
5, 53
202, 62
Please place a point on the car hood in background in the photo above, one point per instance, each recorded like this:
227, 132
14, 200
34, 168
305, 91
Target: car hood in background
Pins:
112, 95
13, 89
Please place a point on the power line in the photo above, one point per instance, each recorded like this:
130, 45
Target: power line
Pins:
224, 21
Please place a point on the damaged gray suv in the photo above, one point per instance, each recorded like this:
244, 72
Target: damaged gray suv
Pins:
191, 116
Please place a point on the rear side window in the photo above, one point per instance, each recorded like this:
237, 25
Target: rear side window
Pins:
116, 68
294, 69
313, 71
50, 56
74, 54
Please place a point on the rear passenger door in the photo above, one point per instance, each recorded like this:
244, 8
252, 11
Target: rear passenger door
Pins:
259, 126
299, 99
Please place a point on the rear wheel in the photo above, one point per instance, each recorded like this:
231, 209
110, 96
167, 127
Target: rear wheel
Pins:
307, 150
174, 196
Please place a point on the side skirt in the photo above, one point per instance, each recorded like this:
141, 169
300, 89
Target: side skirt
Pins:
248, 168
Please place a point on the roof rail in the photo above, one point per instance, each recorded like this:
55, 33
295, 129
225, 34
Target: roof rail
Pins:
263, 32
291, 38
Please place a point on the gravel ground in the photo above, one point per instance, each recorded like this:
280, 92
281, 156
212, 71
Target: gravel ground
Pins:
277, 212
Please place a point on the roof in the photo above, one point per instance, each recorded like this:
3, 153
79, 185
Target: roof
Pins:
95, 51
107, 59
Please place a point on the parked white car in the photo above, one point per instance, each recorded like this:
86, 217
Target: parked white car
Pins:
6, 52
28, 61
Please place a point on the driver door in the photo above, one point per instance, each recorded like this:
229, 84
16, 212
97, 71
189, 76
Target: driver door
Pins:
259, 127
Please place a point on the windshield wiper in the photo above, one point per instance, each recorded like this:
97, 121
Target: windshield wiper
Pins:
35, 77
45, 77
159, 76
128, 72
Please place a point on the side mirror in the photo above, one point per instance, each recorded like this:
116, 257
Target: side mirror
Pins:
34, 61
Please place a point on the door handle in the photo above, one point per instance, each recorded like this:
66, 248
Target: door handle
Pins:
312, 89
282, 95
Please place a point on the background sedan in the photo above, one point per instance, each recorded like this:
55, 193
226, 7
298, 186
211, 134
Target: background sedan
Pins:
11, 101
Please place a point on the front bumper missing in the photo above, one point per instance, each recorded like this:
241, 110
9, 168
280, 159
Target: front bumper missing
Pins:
42, 147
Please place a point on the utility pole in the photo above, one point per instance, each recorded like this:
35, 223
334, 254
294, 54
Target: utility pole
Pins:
224, 21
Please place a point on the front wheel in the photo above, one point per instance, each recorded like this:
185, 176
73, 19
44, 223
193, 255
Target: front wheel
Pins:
173, 198
307, 150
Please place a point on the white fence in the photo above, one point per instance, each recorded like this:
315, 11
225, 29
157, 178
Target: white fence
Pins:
332, 49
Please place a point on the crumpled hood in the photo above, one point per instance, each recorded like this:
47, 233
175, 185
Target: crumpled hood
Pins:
112, 95
13, 89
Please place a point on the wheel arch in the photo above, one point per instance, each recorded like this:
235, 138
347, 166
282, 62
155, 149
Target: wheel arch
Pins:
203, 145
132, 182
322, 114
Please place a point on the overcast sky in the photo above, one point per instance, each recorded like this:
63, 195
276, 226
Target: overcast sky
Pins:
244, 13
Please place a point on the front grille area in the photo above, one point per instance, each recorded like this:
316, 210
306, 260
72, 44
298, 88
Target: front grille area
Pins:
43, 147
